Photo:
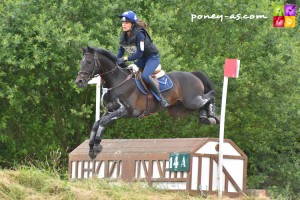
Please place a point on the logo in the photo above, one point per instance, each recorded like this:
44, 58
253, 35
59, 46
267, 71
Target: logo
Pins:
284, 16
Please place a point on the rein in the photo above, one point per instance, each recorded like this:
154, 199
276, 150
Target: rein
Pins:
127, 78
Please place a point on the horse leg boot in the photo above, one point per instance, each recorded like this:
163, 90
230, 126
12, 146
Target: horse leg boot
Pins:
205, 117
155, 89
208, 114
91, 145
98, 137
93, 139
212, 112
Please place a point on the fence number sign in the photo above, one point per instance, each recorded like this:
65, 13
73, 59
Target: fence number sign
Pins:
179, 162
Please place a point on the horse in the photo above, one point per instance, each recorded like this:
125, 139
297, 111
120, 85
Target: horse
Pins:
191, 91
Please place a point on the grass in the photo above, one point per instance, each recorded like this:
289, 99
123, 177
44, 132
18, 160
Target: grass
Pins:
31, 183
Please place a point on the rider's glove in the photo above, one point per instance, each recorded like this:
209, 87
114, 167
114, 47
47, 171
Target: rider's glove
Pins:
121, 61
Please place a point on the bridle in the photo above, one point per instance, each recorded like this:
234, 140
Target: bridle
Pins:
97, 66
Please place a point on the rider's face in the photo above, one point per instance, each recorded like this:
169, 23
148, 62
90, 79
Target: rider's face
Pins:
126, 26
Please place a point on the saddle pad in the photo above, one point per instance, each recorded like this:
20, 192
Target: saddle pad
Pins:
165, 83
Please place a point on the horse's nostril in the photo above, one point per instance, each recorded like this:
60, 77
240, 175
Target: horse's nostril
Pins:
78, 81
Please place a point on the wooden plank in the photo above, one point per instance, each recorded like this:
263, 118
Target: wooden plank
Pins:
199, 170
168, 179
111, 169
244, 175
145, 168
138, 168
210, 174
159, 168
142, 145
76, 169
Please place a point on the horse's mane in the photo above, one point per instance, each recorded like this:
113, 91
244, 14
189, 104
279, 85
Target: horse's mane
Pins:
106, 53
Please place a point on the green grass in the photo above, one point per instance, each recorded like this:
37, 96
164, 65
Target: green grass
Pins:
31, 183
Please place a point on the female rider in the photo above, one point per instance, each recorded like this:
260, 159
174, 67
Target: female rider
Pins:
137, 42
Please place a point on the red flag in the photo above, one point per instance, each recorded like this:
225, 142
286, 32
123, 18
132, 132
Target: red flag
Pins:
231, 68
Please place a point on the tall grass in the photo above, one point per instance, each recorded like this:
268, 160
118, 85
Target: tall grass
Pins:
33, 183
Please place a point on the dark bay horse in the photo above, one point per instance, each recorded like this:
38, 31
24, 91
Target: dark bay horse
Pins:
191, 91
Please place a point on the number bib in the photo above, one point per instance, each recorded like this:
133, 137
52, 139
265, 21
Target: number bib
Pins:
130, 49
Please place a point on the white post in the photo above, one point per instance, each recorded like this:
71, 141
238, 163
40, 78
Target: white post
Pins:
98, 88
221, 137
97, 81
231, 69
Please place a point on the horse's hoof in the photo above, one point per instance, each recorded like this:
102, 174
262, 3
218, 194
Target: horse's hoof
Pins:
212, 121
217, 118
208, 121
97, 148
92, 155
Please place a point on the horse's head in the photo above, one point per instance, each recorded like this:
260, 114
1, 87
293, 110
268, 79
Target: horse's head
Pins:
90, 66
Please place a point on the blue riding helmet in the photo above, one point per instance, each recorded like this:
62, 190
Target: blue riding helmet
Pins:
129, 16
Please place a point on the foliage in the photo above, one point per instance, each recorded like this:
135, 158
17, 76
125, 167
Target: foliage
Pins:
41, 110
38, 105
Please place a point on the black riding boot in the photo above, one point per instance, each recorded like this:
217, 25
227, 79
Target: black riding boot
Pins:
155, 89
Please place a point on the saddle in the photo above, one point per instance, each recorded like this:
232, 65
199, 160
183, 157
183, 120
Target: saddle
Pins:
160, 77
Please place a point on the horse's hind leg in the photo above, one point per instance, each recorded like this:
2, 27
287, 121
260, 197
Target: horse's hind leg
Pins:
199, 101
205, 117
208, 114
206, 104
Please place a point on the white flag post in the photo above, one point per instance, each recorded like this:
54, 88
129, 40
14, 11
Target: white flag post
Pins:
97, 81
231, 69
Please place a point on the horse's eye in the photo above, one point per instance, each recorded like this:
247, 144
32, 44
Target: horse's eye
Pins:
89, 62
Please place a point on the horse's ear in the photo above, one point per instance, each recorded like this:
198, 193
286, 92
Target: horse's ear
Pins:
89, 48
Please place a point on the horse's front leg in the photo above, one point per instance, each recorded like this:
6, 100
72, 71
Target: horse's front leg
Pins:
98, 129
119, 113
94, 139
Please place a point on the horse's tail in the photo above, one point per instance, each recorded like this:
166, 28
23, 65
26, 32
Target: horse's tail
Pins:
208, 85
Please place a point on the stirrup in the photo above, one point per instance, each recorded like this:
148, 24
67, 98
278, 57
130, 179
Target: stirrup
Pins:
164, 103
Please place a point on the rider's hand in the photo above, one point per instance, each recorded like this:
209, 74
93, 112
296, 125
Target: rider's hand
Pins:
121, 61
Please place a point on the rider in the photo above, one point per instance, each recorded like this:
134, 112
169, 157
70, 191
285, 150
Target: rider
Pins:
137, 42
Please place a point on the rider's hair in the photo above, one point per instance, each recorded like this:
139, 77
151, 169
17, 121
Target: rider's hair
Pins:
142, 24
